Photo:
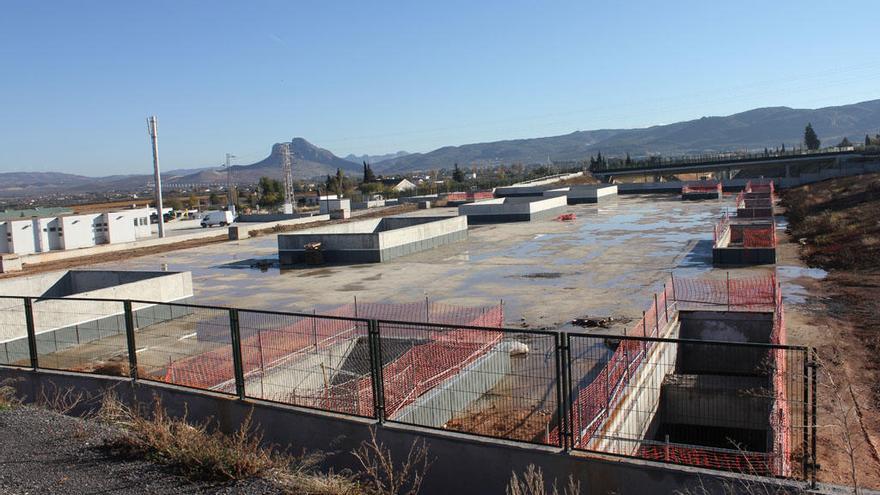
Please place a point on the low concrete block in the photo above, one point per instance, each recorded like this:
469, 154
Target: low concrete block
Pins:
511, 209
372, 241
10, 263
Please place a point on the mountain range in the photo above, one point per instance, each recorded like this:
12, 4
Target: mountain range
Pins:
374, 158
754, 130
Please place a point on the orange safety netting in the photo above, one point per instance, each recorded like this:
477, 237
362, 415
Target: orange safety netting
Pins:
592, 404
266, 348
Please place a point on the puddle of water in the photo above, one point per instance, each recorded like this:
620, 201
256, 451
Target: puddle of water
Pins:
791, 272
792, 292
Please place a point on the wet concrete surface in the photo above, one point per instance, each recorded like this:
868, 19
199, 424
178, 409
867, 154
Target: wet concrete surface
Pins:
608, 261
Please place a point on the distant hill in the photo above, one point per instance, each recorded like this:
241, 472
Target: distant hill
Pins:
309, 161
373, 159
754, 129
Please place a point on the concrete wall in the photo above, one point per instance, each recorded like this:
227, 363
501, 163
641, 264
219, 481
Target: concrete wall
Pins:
717, 401
243, 230
335, 204
748, 327
363, 205
52, 315
456, 394
633, 412
304, 374
462, 464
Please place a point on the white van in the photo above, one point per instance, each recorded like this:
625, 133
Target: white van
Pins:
221, 218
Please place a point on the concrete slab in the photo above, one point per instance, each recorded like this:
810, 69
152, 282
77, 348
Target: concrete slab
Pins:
605, 262
512, 209
372, 241
584, 193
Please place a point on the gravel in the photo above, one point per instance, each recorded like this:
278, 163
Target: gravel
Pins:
43, 452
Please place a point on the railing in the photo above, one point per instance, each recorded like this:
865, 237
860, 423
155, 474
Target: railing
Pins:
723, 158
649, 392
702, 187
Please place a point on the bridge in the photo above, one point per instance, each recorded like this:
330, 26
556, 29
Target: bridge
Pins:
728, 165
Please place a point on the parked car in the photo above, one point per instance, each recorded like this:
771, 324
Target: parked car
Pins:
221, 218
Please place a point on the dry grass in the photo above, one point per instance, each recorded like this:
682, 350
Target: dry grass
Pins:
382, 476
532, 483
834, 218
202, 453
8, 395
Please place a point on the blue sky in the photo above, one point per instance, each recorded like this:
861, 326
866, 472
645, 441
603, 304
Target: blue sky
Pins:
78, 79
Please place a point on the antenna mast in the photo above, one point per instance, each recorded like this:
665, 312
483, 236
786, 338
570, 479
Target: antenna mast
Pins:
230, 200
287, 175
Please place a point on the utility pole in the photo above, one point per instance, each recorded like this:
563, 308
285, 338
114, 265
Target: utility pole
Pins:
230, 201
287, 176
153, 126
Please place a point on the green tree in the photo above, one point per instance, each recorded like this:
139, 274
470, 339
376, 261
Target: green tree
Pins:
628, 160
193, 201
844, 144
271, 191
214, 199
867, 140
175, 204
369, 176
810, 138
457, 174
340, 180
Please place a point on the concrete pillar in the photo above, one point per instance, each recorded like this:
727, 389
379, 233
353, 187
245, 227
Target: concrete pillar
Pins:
37, 227
787, 170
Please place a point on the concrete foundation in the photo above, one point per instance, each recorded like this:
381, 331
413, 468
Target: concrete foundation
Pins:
730, 251
373, 241
512, 210
61, 323
584, 194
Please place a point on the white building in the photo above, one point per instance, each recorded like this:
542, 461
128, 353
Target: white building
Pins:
40, 235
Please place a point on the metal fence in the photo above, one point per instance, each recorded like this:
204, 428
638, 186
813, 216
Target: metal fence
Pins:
647, 392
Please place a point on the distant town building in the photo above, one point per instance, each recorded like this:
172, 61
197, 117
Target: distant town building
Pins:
399, 185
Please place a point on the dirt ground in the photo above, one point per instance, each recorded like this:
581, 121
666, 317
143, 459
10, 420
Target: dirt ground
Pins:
838, 315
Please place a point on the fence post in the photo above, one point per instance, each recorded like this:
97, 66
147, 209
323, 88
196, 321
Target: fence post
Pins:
237, 365
672, 282
560, 395
31, 332
567, 389
378, 387
656, 315
813, 465
728, 291
665, 303
129, 340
